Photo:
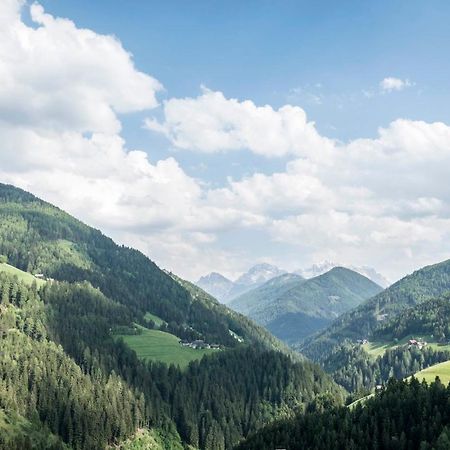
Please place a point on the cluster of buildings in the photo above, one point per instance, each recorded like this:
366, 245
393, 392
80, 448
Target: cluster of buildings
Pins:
41, 276
416, 343
198, 344
362, 341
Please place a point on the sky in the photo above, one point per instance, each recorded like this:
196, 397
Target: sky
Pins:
214, 135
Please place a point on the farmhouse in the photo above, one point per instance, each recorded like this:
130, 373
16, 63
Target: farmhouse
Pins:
198, 344
416, 343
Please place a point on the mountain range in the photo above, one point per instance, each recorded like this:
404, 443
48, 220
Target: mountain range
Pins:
225, 290
293, 308
324, 266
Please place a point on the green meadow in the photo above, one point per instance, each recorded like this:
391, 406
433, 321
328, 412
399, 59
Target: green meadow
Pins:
378, 348
441, 370
25, 277
157, 345
155, 319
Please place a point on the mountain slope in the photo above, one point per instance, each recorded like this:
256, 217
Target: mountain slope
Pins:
422, 285
294, 308
266, 293
71, 322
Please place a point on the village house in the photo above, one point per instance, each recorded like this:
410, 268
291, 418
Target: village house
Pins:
416, 343
198, 344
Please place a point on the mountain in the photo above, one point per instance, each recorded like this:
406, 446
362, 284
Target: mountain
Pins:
371, 343
83, 345
293, 308
424, 284
259, 274
226, 290
266, 293
217, 285
325, 266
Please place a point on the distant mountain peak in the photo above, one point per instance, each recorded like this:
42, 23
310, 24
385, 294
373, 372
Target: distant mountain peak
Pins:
325, 266
259, 273
216, 285
213, 276
224, 290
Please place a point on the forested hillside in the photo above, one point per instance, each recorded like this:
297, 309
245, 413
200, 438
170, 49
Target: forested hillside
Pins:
293, 308
83, 387
405, 311
406, 415
359, 323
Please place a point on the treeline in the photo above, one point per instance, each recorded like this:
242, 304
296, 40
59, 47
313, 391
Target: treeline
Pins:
354, 369
405, 416
214, 402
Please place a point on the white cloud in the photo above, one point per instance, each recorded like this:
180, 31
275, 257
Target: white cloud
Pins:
212, 123
382, 201
56, 76
390, 84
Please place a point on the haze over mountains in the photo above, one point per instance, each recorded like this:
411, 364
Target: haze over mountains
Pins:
293, 308
225, 290
324, 266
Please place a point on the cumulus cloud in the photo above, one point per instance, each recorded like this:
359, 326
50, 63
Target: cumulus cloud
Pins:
212, 123
382, 197
390, 84
62, 91
57, 76
382, 201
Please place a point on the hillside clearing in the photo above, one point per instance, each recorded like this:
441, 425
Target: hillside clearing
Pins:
441, 370
378, 348
155, 319
157, 345
25, 277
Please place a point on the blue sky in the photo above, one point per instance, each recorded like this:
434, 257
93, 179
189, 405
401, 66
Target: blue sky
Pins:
320, 55
286, 131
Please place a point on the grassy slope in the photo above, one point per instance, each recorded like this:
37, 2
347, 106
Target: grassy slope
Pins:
157, 345
378, 348
155, 319
441, 370
25, 277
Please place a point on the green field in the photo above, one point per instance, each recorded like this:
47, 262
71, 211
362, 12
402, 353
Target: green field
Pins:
155, 319
377, 348
441, 370
25, 277
160, 346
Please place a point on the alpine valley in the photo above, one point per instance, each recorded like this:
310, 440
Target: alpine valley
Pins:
100, 348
